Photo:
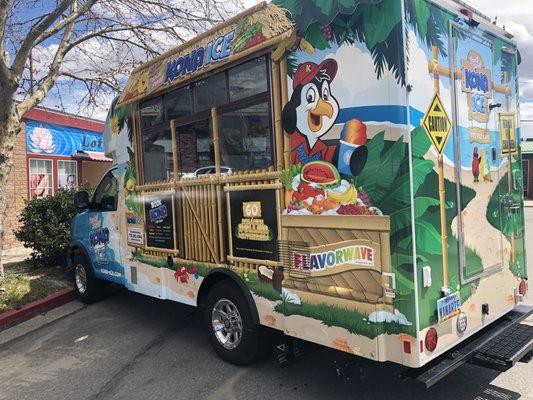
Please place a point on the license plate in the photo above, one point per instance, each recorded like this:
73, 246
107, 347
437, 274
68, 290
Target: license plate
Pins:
449, 306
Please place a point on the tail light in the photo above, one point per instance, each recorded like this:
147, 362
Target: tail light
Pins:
522, 287
432, 339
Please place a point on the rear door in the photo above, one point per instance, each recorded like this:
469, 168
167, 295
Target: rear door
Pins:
478, 153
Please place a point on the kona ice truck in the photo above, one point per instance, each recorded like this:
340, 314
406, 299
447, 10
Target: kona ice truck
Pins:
346, 173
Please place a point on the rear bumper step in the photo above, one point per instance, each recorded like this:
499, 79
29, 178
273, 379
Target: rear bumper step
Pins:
504, 351
498, 346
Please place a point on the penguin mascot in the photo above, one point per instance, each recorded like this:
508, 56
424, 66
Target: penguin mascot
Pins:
311, 113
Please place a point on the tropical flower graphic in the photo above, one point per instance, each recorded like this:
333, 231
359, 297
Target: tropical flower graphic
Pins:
95, 222
41, 141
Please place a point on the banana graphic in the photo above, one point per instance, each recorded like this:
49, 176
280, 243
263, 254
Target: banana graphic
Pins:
348, 197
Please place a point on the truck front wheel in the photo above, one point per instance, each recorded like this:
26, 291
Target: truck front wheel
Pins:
88, 288
232, 332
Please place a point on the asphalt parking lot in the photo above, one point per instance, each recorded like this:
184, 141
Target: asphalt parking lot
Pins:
134, 347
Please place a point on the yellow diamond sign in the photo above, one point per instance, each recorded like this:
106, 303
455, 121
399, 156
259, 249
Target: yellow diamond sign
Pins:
437, 124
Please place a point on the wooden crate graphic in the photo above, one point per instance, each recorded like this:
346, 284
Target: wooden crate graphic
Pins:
326, 256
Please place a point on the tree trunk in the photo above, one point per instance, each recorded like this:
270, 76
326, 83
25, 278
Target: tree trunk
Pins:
10, 126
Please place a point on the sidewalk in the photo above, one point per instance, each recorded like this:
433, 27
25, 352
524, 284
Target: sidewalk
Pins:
16, 254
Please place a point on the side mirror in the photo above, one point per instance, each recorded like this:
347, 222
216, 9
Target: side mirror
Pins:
81, 200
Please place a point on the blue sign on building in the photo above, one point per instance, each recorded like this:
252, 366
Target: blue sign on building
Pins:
45, 138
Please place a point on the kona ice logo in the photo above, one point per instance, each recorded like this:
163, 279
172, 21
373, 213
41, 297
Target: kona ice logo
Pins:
201, 57
360, 255
99, 239
158, 212
477, 84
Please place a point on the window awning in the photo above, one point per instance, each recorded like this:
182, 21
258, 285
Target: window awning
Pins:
91, 156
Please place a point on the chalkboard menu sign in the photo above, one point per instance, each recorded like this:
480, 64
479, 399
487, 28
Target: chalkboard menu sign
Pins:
254, 224
159, 220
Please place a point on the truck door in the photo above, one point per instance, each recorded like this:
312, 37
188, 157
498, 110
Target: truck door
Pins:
478, 153
103, 223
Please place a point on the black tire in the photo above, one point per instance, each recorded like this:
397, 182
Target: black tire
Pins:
94, 287
253, 343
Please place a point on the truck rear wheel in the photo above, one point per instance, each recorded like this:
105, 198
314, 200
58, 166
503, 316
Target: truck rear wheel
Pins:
232, 332
88, 288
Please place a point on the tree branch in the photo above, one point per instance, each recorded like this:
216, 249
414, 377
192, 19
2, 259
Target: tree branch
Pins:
53, 72
64, 22
29, 42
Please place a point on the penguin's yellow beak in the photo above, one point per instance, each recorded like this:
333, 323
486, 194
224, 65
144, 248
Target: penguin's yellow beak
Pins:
314, 117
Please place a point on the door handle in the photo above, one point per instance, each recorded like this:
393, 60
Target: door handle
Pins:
494, 155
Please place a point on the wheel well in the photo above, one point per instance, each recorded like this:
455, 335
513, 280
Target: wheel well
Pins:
223, 274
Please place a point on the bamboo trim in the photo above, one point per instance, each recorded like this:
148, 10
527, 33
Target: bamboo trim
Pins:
220, 221
284, 101
253, 261
230, 231
262, 186
155, 186
174, 224
278, 129
252, 176
279, 194
212, 180
216, 139
137, 142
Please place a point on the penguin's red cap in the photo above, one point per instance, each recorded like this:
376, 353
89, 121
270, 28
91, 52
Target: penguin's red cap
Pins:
306, 72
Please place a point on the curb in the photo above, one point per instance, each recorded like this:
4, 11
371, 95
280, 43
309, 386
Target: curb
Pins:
14, 317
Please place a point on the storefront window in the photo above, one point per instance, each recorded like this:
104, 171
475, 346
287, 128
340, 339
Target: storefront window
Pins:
41, 183
248, 79
157, 153
211, 92
246, 138
195, 146
67, 172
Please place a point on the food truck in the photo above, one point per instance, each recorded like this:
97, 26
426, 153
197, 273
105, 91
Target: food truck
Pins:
346, 173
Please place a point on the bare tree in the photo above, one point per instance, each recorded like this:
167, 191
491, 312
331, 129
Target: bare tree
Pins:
83, 45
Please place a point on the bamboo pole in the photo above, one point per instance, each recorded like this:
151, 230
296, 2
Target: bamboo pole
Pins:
216, 144
230, 231
442, 187
284, 101
278, 129
249, 263
249, 186
216, 139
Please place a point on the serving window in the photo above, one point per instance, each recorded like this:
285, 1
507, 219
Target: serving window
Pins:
242, 101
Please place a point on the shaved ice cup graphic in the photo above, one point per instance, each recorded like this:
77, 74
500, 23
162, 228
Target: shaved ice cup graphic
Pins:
354, 131
345, 155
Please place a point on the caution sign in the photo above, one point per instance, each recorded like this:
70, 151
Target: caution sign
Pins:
437, 124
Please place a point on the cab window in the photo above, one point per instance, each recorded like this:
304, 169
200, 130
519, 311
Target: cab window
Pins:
106, 194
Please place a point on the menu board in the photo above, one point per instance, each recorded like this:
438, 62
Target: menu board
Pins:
159, 219
254, 224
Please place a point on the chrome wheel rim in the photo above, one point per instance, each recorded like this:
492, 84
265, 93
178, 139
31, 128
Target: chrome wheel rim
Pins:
227, 324
80, 278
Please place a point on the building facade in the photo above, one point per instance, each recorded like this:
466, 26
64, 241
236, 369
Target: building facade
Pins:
52, 150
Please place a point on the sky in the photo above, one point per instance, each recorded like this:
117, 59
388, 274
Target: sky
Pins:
513, 14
